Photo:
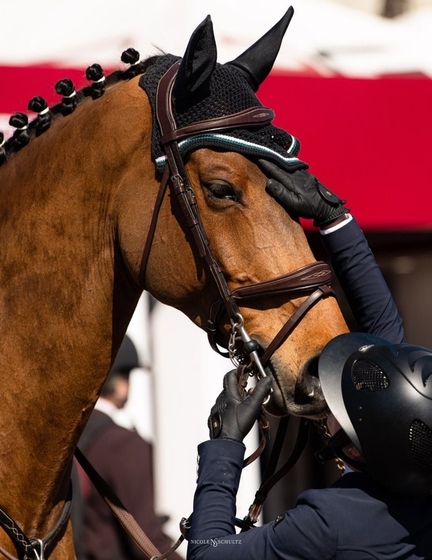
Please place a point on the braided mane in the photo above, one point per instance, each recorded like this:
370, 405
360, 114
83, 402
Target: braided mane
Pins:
26, 131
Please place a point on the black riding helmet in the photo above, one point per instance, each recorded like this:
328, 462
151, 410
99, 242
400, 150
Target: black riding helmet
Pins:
381, 395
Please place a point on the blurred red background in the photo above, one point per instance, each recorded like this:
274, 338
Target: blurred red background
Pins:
367, 139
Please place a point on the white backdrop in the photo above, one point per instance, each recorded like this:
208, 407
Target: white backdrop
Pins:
88, 31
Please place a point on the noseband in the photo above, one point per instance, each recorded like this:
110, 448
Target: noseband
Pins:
312, 280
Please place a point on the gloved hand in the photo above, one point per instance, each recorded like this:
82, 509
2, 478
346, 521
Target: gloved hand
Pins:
301, 194
233, 416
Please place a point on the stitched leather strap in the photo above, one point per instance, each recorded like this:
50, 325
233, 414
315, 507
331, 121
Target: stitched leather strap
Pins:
31, 547
272, 477
254, 116
300, 283
152, 228
313, 299
295, 284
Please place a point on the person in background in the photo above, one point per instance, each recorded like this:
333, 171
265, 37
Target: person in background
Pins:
124, 459
379, 393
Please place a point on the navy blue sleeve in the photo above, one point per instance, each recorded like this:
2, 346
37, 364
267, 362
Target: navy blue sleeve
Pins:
220, 464
363, 284
302, 533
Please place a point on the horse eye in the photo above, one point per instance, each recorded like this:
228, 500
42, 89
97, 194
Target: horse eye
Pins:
222, 191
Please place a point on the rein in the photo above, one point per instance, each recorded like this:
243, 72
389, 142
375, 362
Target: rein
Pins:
271, 476
123, 516
312, 280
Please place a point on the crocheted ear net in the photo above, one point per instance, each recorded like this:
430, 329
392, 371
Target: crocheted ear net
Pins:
228, 92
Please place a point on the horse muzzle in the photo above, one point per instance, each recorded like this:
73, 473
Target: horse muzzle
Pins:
304, 399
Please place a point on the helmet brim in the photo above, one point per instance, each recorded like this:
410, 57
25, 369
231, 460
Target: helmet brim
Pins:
331, 365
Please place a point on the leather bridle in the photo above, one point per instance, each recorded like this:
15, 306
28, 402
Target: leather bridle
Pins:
313, 280
31, 548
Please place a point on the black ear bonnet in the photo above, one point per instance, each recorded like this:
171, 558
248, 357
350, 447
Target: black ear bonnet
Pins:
225, 90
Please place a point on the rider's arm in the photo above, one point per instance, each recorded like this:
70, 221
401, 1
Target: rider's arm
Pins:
367, 293
212, 533
303, 532
362, 281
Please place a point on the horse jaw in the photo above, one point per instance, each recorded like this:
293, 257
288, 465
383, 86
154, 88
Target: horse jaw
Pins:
253, 240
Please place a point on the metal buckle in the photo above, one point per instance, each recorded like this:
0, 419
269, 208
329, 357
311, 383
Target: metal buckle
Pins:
36, 555
250, 348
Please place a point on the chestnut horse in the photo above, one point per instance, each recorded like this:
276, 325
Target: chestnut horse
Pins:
79, 244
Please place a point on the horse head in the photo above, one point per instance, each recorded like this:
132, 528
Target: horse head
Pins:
197, 128
208, 116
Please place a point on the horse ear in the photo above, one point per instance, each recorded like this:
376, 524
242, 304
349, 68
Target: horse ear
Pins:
198, 61
257, 61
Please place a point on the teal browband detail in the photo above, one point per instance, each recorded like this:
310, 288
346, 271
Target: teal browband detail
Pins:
235, 145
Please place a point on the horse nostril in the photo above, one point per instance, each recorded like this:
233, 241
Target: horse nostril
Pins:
312, 367
308, 384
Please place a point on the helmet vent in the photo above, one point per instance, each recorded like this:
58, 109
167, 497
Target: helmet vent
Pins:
368, 376
420, 438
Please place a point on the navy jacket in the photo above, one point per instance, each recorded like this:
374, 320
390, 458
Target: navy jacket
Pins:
354, 519
363, 284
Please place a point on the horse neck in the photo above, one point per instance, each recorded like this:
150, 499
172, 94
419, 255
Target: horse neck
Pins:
66, 295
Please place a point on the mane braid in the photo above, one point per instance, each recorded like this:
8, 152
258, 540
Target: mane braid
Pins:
21, 138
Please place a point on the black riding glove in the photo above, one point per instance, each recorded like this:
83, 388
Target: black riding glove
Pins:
233, 416
301, 194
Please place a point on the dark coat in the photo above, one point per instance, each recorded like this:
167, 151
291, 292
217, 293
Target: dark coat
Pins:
354, 519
